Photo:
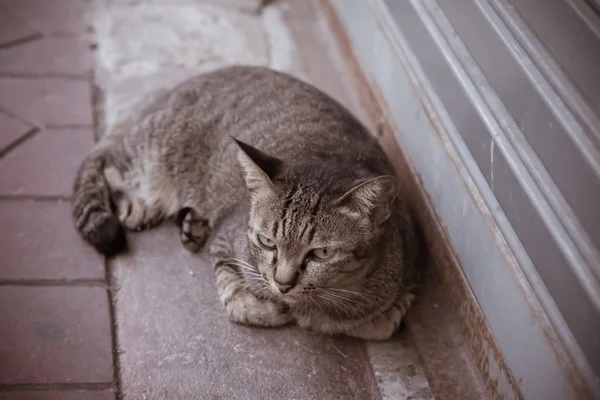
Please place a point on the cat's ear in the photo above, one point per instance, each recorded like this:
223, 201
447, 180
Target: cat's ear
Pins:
372, 199
258, 168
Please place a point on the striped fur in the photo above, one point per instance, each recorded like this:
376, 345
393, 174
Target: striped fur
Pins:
319, 182
92, 208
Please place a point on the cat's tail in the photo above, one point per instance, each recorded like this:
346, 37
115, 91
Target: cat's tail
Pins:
92, 206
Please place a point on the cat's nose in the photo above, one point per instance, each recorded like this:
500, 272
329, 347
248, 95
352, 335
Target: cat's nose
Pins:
283, 288
285, 279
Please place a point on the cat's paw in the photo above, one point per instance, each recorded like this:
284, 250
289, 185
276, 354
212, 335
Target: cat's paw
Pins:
242, 306
150, 223
130, 212
194, 231
386, 324
135, 216
247, 309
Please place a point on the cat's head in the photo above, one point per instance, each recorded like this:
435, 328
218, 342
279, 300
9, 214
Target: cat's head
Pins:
311, 226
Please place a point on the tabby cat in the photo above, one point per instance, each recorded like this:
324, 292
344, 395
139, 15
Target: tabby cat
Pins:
307, 219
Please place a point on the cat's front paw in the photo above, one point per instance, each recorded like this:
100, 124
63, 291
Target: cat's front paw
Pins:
194, 231
242, 306
245, 308
386, 324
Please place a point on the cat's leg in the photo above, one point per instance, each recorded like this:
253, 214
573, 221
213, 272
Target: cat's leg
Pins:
384, 325
201, 211
194, 231
130, 208
243, 306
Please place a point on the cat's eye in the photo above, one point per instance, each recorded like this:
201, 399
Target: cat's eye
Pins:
266, 242
323, 253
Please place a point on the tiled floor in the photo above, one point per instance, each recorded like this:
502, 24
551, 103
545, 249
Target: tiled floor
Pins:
55, 332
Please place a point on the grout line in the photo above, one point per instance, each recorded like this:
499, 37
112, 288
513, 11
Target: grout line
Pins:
23, 138
43, 387
69, 126
26, 39
78, 35
97, 104
34, 197
44, 75
19, 118
53, 282
113, 331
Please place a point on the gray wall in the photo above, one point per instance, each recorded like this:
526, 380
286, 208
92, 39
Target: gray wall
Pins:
497, 104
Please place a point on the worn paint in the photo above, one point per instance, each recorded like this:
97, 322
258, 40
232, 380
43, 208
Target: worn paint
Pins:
484, 351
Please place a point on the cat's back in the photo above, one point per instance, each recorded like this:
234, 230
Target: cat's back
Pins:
248, 93
272, 111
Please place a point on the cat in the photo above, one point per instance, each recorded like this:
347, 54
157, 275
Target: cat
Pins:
300, 201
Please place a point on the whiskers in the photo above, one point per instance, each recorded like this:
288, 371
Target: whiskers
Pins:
343, 302
236, 262
253, 279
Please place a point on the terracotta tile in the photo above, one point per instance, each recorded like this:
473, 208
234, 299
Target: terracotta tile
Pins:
59, 395
48, 101
45, 164
54, 335
177, 342
51, 16
12, 27
43, 243
11, 129
48, 55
